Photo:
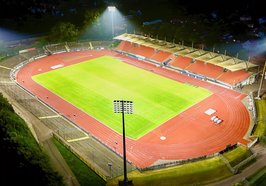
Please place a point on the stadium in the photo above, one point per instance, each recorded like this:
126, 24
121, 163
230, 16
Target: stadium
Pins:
107, 98
186, 104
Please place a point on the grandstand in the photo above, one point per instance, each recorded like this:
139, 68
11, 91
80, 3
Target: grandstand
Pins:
27, 54
76, 46
209, 66
56, 48
160, 55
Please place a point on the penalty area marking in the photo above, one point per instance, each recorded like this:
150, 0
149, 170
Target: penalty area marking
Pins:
163, 138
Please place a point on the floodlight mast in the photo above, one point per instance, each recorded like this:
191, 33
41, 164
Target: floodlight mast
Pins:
122, 106
112, 10
261, 81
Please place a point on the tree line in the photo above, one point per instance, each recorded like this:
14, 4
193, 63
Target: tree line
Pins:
22, 160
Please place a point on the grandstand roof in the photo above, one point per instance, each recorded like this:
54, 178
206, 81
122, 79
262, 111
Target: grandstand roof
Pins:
226, 62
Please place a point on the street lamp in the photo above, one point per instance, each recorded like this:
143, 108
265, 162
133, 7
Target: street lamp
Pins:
110, 168
112, 10
124, 107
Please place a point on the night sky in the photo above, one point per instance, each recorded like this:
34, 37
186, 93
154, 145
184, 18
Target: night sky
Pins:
14, 8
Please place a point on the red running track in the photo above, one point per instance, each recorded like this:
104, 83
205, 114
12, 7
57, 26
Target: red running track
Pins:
190, 134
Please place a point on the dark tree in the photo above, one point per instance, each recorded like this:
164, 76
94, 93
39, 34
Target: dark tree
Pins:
64, 31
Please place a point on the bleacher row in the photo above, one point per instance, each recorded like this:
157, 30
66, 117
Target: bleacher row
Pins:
32, 53
183, 63
77, 46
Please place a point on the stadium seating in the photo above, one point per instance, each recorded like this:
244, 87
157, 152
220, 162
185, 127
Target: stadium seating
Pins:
234, 77
185, 63
124, 46
56, 48
161, 56
77, 46
31, 54
142, 50
181, 62
205, 69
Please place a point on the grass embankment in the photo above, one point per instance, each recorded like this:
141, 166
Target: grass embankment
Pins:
258, 178
83, 173
201, 172
261, 118
237, 155
23, 161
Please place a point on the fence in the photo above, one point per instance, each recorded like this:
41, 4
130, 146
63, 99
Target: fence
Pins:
71, 149
227, 164
251, 144
178, 162
252, 107
244, 162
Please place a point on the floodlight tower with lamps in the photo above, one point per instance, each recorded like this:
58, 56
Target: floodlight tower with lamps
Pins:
112, 10
263, 76
124, 107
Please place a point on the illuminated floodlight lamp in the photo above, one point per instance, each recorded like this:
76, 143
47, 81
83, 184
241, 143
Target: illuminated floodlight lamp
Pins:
124, 107
111, 8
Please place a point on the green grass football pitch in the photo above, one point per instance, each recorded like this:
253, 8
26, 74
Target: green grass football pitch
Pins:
93, 85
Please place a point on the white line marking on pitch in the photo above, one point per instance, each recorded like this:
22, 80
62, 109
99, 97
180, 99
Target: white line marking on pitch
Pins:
5, 67
78, 139
47, 117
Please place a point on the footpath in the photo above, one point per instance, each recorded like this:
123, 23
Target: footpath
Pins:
259, 163
44, 137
